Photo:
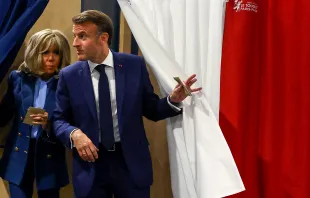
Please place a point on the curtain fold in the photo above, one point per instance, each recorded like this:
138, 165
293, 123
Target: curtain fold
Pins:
265, 97
16, 19
177, 38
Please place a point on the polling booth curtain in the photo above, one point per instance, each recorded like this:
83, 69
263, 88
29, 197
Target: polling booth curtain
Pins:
265, 95
16, 19
178, 38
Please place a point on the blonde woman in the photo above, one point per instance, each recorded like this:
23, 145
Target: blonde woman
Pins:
32, 153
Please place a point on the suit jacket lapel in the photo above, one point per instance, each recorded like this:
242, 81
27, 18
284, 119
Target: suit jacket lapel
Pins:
119, 69
87, 86
50, 97
27, 89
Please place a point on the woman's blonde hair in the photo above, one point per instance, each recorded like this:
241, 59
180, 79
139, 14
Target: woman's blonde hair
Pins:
38, 44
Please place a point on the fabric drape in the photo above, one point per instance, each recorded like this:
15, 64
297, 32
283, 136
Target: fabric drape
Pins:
16, 19
265, 97
177, 38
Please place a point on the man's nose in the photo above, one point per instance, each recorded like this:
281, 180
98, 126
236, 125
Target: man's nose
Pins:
75, 42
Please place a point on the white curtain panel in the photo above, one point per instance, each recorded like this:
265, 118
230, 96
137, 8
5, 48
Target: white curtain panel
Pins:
178, 38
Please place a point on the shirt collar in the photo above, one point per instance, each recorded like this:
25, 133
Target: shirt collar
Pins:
47, 81
107, 61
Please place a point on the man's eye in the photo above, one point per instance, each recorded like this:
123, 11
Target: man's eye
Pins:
82, 36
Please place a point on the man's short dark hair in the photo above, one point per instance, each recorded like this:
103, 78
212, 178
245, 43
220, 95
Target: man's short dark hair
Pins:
101, 20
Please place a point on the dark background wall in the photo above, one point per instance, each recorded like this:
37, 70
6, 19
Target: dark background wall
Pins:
112, 9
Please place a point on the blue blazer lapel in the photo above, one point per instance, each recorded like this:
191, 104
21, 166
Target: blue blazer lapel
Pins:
50, 97
87, 86
119, 69
27, 89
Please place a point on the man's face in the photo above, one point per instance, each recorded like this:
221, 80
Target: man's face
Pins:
89, 45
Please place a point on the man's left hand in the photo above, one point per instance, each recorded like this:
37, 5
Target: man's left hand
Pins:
179, 94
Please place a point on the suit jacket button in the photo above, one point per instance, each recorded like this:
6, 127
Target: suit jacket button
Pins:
28, 136
16, 149
48, 156
25, 152
21, 118
19, 134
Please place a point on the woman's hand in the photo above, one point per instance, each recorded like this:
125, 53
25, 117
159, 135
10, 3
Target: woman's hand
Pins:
40, 119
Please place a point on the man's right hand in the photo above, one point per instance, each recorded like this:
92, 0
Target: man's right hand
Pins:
85, 147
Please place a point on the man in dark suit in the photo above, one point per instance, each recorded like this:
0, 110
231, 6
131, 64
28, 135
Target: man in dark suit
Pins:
100, 103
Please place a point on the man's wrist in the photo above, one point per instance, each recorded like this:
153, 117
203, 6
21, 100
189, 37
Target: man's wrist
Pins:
71, 137
174, 105
72, 133
171, 101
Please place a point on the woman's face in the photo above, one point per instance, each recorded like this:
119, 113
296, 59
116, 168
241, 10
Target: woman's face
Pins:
51, 60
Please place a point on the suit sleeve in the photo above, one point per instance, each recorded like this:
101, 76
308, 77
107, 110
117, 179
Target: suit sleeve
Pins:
63, 113
154, 108
7, 105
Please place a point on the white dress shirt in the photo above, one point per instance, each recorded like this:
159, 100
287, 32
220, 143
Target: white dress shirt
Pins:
109, 70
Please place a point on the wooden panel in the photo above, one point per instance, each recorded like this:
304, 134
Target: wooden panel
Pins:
124, 36
3, 191
156, 132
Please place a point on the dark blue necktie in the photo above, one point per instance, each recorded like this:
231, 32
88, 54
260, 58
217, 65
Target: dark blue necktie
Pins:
105, 115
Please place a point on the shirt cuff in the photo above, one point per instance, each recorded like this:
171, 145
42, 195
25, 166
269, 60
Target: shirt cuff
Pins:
175, 106
72, 144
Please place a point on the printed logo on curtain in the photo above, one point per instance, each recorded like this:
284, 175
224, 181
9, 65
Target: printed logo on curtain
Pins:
249, 6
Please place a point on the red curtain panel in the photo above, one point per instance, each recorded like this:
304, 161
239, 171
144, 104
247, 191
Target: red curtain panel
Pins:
265, 95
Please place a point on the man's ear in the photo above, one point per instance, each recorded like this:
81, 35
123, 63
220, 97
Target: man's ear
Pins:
104, 37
